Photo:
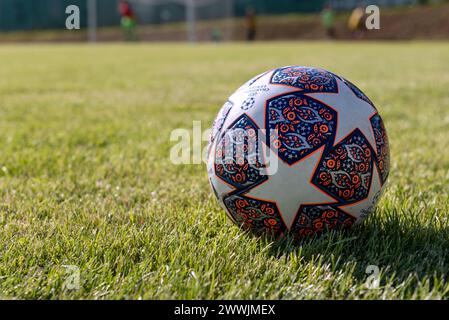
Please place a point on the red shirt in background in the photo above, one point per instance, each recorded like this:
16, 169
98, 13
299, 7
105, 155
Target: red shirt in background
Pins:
126, 10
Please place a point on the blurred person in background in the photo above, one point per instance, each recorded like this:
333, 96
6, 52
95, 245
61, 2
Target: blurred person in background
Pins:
128, 20
328, 20
216, 34
250, 24
356, 21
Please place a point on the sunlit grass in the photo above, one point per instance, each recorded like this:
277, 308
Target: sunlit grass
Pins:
85, 176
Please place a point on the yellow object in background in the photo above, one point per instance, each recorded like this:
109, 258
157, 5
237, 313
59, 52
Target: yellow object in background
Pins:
355, 20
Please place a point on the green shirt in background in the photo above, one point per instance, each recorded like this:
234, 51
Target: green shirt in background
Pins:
328, 18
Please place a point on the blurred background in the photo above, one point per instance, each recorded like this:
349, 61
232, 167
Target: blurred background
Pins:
220, 20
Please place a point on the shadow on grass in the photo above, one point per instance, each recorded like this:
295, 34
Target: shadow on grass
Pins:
399, 246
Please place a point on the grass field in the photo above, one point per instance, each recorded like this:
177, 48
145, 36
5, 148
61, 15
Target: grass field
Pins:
85, 176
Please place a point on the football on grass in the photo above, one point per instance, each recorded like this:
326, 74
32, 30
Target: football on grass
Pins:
298, 150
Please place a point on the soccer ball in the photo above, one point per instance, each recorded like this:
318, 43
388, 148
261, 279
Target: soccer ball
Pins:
330, 147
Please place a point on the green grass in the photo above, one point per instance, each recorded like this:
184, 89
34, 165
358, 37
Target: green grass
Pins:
85, 178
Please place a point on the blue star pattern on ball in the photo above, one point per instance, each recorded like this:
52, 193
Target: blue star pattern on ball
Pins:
221, 118
218, 123
237, 156
382, 147
298, 125
257, 216
305, 78
346, 169
315, 219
